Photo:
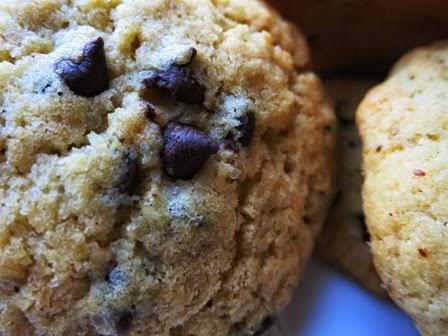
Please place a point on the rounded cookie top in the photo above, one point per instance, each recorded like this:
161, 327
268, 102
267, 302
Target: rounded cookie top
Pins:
403, 129
344, 240
164, 166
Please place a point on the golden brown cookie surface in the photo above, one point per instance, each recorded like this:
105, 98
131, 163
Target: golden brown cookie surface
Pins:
403, 129
164, 166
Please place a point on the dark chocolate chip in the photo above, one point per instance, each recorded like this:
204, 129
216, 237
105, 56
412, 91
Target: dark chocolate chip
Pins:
365, 231
185, 150
246, 128
86, 76
123, 321
265, 326
179, 81
129, 181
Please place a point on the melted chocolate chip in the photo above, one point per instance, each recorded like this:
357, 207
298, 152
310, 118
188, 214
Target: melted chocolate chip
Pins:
365, 232
185, 150
86, 76
129, 181
179, 81
265, 326
246, 128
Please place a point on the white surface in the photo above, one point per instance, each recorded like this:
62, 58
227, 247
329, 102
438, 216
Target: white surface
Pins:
328, 304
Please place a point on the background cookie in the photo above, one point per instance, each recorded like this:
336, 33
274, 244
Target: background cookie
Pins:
344, 241
365, 36
164, 166
404, 133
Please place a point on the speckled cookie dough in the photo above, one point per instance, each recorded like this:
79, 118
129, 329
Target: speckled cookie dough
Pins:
164, 166
344, 241
403, 124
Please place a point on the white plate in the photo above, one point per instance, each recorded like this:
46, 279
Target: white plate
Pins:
328, 304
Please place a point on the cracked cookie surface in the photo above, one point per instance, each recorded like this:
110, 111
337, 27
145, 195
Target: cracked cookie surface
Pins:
403, 128
177, 194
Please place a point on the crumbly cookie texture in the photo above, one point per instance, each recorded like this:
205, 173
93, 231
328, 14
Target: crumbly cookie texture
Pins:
164, 166
403, 129
344, 241
348, 36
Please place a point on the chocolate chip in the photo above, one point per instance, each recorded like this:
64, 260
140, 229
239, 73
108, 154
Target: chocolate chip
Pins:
365, 231
185, 150
179, 81
86, 76
129, 180
123, 321
246, 128
265, 326
114, 321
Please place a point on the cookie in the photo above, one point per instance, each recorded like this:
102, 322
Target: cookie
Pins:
402, 125
344, 241
365, 36
164, 168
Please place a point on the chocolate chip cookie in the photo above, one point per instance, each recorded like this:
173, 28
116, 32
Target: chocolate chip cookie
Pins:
344, 241
164, 166
404, 133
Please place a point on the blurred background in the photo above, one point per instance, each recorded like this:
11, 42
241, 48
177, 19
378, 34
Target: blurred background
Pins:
328, 304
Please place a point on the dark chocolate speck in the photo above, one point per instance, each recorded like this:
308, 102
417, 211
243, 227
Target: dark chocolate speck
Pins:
246, 128
129, 181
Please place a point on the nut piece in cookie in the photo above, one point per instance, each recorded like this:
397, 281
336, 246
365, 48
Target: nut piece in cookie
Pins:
87, 75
